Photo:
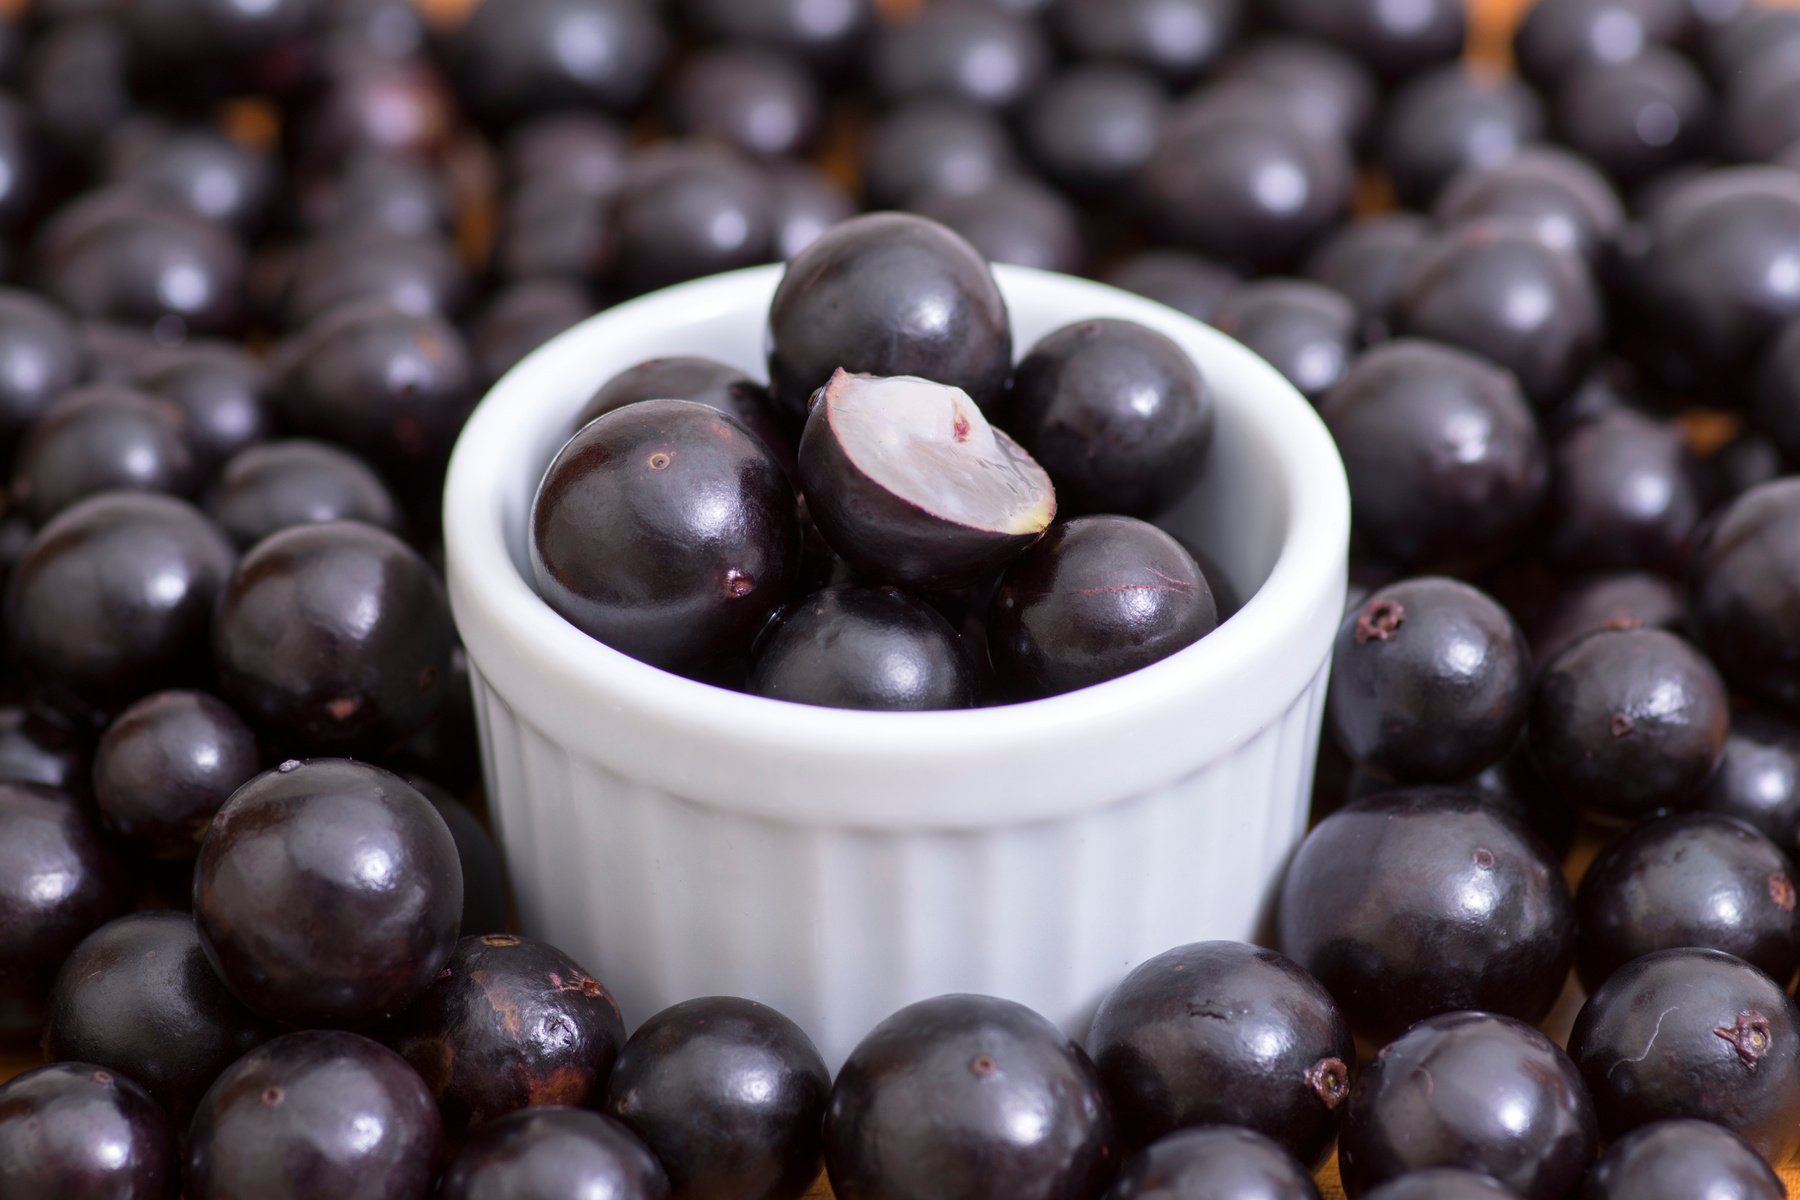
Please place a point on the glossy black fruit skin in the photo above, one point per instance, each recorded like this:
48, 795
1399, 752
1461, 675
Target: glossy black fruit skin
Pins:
1367, 260
1637, 118
114, 599
59, 880
1376, 906
1014, 220
1185, 282
1623, 600
319, 1113
763, 103
327, 893
702, 380
40, 359
138, 997
1495, 289
555, 1151
220, 391
1557, 40
518, 319
623, 540
1626, 723
1740, 587
687, 210
1395, 42
486, 895
1430, 682
376, 192
962, 50
982, 1060
358, 104
1093, 126
730, 1097
803, 203
1231, 1164
1200, 191
854, 646
206, 172
509, 63
1180, 40
826, 35
76, 1131
1116, 412
1627, 493
1328, 89
888, 294
1672, 1160
1096, 598
1758, 780
1472, 1090
123, 256
1453, 119
934, 147
1445, 460
391, 386
1693, 879
1442, 1183
1727, 1048
1775, 406
1565, 202
334, 637
420, 275
1702, 301
1221, 1033
166, 766
101, 438
509, 1023
277, 485
1304, 330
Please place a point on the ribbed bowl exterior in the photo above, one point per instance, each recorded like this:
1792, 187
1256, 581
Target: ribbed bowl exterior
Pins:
667, 898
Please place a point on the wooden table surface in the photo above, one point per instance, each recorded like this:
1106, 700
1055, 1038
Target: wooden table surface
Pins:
1492, 25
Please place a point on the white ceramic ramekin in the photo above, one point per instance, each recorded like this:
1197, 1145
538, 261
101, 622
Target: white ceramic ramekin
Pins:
681, 840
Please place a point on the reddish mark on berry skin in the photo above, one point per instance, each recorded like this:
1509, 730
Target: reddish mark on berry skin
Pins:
1623, 621
1620, 725
1781, 891
103, 1078
660, 460
343, 708
1484, 858
1329, 1080
984, 1066
1749, 1036
272, 1097
1379, 621
738, 584
959, 428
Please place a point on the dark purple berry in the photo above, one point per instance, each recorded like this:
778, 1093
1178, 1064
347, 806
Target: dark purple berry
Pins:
730, 1097
1232, 1164
166, 766
327, 893
1430, 682
1220, 1033
559, 1151
1693, 1033
982, 1061
1677, 1159
853, 646
77, 1131
272, 486
102, 438
139, 998
320, 1113
506, 1024
1628, 723
1422, 901
1758, 780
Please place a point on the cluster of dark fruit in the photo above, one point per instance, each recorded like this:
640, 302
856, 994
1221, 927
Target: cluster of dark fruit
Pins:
685, 525
218, 558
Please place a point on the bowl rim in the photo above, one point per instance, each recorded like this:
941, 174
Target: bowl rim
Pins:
499, 610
